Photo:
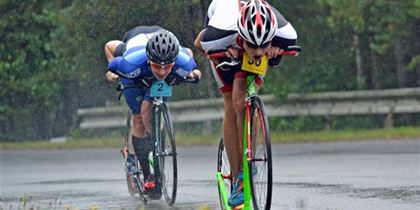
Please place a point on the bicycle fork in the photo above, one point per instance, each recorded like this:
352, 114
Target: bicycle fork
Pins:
156, 151
246, 156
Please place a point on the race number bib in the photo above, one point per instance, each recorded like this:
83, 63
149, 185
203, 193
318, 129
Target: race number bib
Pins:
259, 67
160, 88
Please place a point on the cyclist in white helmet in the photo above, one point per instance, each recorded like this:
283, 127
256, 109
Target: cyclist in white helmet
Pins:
234, 26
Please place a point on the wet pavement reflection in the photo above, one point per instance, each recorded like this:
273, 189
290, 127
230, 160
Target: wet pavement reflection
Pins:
347, 175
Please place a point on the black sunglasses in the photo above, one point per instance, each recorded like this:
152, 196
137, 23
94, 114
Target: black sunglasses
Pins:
254, 46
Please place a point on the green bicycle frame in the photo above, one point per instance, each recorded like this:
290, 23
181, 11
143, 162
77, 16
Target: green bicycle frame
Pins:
251, 91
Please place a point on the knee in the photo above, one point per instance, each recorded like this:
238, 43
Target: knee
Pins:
137, 125
229, 107
239, 105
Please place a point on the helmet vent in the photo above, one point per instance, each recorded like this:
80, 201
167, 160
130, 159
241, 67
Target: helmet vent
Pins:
257, 22
163, 47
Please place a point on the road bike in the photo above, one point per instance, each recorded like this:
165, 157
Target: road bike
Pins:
257, 161
163, 159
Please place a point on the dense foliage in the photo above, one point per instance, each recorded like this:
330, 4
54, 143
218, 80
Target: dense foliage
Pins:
52, 61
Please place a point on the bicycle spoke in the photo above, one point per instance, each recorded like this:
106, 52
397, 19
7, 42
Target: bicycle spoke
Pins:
260, 164
167, 159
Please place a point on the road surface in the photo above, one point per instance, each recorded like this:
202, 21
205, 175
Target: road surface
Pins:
346, 175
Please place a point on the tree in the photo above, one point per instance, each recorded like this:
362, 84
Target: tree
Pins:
29, 84
378, 27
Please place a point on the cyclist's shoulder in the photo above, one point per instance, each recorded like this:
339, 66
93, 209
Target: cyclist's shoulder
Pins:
185, 58
134, 58
184, 53
285, 28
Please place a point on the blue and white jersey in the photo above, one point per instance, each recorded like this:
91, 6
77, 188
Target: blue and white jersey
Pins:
133, 64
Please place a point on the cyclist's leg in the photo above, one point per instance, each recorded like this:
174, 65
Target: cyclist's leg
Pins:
238, 103
146, 107
230, 135
224, 81
138, 128
238, 98
141, 141
133, 98
146, 115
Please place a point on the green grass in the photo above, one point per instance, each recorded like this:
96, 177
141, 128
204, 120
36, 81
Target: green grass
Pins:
194, 140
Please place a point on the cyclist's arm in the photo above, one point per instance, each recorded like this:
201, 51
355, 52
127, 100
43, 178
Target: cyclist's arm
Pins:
214, 39
188, 51
112, 77
197, 43
184, 63
195, 74
285, 36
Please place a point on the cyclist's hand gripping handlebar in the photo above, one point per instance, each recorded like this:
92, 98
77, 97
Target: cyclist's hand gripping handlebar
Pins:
292, 50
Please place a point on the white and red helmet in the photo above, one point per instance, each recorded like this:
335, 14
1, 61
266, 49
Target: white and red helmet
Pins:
257, 22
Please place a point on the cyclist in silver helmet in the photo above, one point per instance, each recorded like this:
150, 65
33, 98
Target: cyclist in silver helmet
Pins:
146, 53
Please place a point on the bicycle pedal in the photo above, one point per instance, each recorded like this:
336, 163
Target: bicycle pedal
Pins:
239, 207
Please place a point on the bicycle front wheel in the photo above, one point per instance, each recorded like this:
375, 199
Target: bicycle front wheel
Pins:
167, 158
260, 163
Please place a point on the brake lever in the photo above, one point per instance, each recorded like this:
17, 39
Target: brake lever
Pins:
230, 64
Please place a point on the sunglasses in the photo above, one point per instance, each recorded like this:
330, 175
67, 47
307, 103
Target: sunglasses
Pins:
254, 46
159, 66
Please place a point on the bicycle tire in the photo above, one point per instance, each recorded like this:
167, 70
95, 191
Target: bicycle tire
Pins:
168, 158
260, 162
223, 167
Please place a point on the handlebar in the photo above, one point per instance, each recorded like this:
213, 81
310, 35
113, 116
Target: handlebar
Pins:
187, 80
144, 83
292, 50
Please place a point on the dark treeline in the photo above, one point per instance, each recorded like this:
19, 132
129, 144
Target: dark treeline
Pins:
52, 61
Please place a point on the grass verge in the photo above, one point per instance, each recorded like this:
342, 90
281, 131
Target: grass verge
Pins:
184, 139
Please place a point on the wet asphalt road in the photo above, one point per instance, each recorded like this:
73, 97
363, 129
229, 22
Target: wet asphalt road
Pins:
357, 175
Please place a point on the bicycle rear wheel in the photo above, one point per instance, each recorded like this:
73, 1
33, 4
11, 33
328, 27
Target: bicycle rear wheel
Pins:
223, 167
167, 158
134, 181
260, 164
